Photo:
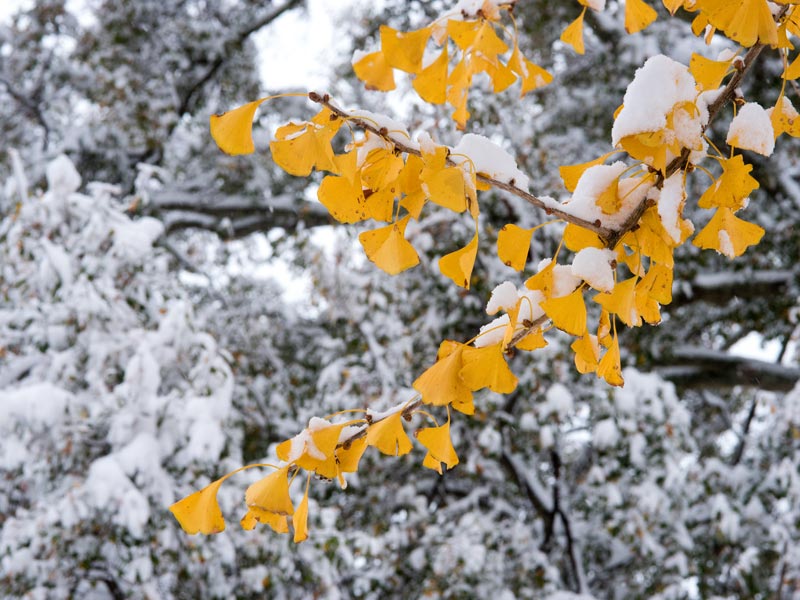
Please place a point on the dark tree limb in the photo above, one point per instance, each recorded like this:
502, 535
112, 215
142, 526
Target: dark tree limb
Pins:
719, 288
698, 367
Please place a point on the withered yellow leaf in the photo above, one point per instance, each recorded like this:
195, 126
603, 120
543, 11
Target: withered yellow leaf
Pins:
343, 198
199, 512
388, 435
271, 493
404, 50
513, 245
388, 248
458, 265
439, 445
733, 186
278, 523
431, 82
622, 302
571, 174
587, 353
708, 73
298, 149
609, 367
532, 75
375, 71
638, 15
348, 457
728, 234
233, 130
441, 383
573, 34
300, 518
487, 368
568, 313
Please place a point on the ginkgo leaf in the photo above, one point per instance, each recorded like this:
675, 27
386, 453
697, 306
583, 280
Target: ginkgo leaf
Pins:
431, 82
458, 83
658, 283
576, 238
608, 200
604, 329
404, 50
532, 75
487, 367
271, 493
278, 523
622, 302
233, 130
344, 199
513, 245
532, 341
439, 445
458, 265
793, 69
199, 512
568, 313
609, 367
571, 174
375, 71
388, 435
446, 187
543, 280
476, 36
388, 248
745, 21
298, 149
733, 186
349, 455
708, 73
573, 34
728, 234
673, 5
587, 353
441, 383
638, 15
300, 518
380, 168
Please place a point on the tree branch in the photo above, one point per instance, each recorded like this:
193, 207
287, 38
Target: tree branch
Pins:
699, 367
717, 288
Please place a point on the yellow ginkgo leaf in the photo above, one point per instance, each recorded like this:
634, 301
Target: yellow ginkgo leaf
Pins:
622, 302
733, 186
609, 367
532, 75
587, 353
199, 512
313, 449
638, 15
513, 245
441, 383
532, 341
233, 130
608, 200
728, 234
278, 523
349, 455
300, 518
604, 329
745, 21
568, 313
380, 168
375, 71
388, 248
446, 187
487, 367
458, 265
439, 445
673, 5
431, 82
388, 435
571, 174
576, 238
343, 198
657, 283
298, 149
543, 280
708, 73
793, 70
404, 50
573, 34
271, 493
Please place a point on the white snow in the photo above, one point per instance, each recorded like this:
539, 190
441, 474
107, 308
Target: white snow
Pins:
134, 239
489, 159
558, 401
493, 332
395, 129
725, 244
593, 265
62, 176
42, 403
605, 434
564, 281
529, 309
670, 205
657, 87
504, 297
751, 129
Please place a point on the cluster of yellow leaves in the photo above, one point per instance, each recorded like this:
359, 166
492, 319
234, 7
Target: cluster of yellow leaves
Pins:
476, 48
638, 15
323, 449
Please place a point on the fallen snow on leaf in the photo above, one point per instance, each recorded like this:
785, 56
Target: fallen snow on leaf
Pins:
751, 129
593, 265
504, 297
493, 332
489, 159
